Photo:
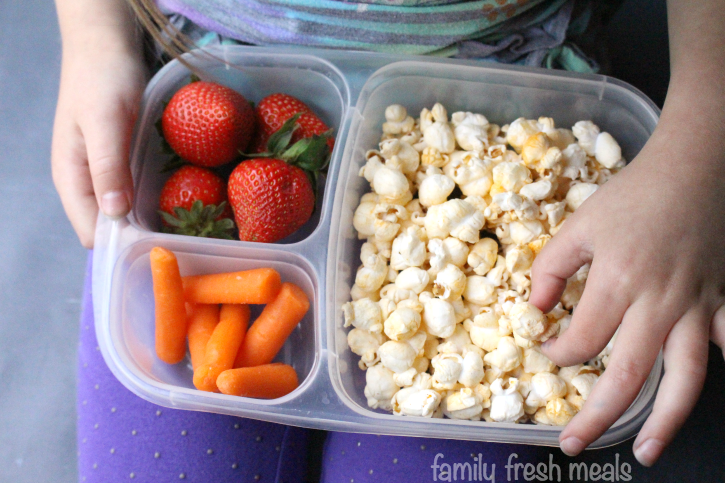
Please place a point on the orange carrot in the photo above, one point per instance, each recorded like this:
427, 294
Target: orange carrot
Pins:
202, 321
169, 306
276, 322
223, 346
258, 286
268, 381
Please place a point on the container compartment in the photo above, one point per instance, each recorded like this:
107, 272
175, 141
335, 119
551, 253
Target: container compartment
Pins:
132, 315
255, 75
502, 96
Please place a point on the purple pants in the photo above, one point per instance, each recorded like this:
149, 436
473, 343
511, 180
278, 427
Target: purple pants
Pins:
122, 437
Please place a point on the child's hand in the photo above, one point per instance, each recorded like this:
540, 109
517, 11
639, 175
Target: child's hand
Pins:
97, 107
102, 79
654, 236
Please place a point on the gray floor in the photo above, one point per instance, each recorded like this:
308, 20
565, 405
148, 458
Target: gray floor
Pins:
41, 261
42, 264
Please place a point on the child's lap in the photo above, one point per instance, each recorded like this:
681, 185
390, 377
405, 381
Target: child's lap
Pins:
122, 437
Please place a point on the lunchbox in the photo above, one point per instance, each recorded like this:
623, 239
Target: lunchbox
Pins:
350, 91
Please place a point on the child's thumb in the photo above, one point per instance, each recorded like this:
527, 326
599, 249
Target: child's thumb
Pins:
108, 142
562, 256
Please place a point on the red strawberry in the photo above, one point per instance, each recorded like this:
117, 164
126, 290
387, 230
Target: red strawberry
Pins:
274, 110
270, 198
208, 124
193, 202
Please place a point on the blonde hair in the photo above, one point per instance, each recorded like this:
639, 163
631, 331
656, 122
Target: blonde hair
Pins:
158, 26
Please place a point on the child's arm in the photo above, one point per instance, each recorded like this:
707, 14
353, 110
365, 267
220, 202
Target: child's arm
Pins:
102, 79
655, 236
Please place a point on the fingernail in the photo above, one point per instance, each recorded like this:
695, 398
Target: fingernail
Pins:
572, 446
115, 204
648, 452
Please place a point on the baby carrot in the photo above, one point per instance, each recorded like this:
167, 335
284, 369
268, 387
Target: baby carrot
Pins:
268, 381
169, 306
258, 286
276, 322
202, 321
223, 346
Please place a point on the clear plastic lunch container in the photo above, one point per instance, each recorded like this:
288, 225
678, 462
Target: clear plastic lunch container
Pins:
350, 91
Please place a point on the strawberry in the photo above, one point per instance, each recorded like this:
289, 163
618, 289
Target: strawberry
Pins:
208, 124
273, 195
274, 110
193, 202
270, 199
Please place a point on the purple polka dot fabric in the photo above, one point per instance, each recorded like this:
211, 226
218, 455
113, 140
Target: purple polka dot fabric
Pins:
122, 437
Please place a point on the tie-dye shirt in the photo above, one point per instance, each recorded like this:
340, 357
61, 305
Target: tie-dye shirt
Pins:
394, 26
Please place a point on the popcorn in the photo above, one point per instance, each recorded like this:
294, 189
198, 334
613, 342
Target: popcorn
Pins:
400, 154
435, 189
528, 322
363, 314
397, 120
432, 157
523, 232
510, 176
447, 368
586, 133
471, 369
416, 402
442, 252
438, 134
507, 355
575, 160
479, 290
440, 316
584, 383
607, 150
397, 356
413, 278
456, 218
402, 324
371, 275
408, 250
366, 345
463, 404
472, 174
507, 405
578, 193
364, 219
450, 283
484, 330
391, 186
545, 387
520, 131
535, 361
380, 387
559, 412
470, 130
539, 190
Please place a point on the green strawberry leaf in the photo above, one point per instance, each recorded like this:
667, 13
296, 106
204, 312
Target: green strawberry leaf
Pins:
199, 221
311, 154
194, 78
280, 140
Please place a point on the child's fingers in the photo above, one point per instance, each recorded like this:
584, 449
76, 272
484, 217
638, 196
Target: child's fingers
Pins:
717, 328
595, 320
562, 256
634, 354
108, 138
685, 355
